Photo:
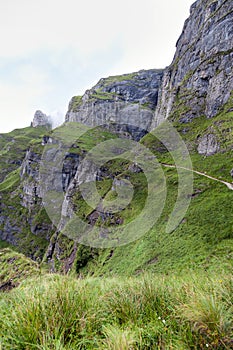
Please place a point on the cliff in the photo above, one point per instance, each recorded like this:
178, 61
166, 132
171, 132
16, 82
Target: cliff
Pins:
24, 222
128, 101
199, 81
195, 94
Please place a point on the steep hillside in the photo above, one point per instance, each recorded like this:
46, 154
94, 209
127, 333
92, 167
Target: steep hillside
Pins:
23, 221
117, 227
199, 80
14, 146
195, 93
46, 210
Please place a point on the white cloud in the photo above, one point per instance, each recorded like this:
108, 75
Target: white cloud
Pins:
88, 26
19, 99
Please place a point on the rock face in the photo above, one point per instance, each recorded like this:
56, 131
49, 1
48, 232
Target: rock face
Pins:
128, 101
41, 119
208, 145
199, 80
30, 179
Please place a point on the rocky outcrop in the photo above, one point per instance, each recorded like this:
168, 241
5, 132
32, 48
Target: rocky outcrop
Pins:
41, 119
208, 145
199, 80
125, 104
10, 229
30, 179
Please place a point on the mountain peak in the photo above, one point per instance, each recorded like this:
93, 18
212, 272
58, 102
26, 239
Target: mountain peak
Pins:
41, 119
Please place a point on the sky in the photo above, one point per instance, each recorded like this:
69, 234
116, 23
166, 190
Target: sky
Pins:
52, 50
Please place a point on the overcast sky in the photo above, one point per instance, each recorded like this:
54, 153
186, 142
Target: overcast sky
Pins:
52, 50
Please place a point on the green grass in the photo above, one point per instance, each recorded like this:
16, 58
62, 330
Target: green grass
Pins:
102, 95
119, 78
4, 244
75, 103
202, 240
10, 181
13, 147
192, 311
204, 237
15, 268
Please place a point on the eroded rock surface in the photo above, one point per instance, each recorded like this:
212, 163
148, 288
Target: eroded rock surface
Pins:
41, 119
199, 81
128, 101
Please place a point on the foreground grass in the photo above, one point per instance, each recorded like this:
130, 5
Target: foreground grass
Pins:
150, 312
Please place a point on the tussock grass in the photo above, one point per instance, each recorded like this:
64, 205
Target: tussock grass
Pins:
147, 312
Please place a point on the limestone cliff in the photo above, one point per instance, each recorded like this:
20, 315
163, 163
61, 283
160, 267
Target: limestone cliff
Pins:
128, 101
199, 81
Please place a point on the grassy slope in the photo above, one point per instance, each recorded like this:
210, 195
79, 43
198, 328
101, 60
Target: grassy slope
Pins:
15, 268
175, 307
14, 146
204, 239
